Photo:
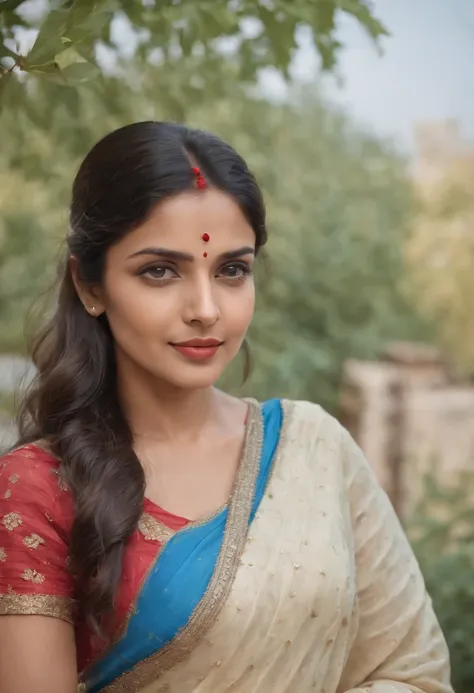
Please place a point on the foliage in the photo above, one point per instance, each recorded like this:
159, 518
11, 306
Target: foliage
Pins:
258, 34
338, 206
442, 532
440, 255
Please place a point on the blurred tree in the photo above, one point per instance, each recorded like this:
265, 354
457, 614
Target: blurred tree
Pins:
338, 206
442, 534
252, 33
440, 255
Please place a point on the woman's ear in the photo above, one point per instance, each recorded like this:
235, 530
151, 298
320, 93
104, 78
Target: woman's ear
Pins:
90, 297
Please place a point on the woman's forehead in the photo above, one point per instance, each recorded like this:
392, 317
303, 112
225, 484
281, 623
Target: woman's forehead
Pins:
183, 221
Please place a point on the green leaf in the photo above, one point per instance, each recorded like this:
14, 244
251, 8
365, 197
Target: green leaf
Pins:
87, 19
50, 72
58, 39
10, 5
78, 73
50, 69
68, 57
362, 12
49, 41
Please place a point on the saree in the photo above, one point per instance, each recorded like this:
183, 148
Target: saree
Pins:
304, 582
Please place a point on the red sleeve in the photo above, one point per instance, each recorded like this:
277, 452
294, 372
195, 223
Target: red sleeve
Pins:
35, 519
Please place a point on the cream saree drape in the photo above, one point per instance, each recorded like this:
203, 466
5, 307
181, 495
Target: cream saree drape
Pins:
328, 597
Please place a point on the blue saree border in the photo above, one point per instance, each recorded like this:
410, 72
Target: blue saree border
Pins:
180, 578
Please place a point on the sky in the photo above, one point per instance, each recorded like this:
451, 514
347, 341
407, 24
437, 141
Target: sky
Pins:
425, 72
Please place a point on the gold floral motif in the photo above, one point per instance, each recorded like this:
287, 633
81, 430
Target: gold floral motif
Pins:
33, 541
233, 544
37, 604
8, 493
154, 530
12, 521
3, 555
13, 479
32, 576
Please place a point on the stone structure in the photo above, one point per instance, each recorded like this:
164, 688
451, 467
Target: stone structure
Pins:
411, 417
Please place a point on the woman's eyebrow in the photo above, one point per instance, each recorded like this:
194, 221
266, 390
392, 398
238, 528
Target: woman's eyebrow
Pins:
187, 257
164, 252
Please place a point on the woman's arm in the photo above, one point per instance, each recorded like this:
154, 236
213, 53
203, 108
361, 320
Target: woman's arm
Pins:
399, 646
37, 655
37, 649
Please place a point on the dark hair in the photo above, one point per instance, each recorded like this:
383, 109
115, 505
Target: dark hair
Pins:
73, 403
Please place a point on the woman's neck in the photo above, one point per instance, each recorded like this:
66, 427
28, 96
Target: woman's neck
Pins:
157, 410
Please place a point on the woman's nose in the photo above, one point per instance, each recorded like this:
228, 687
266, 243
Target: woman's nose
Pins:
203, 306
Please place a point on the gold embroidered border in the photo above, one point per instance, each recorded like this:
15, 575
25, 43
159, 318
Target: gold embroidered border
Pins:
287, 407
206, 612
37, 604
43, 444
153, 530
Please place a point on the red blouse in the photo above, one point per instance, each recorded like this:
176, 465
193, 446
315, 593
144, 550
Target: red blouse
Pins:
36, 516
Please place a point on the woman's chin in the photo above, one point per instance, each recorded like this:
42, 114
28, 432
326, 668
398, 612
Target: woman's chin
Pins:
197, 382
196, 376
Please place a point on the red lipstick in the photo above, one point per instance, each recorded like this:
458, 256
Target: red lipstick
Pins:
198, 349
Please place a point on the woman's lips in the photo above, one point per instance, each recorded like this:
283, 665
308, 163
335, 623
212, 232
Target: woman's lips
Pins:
198, 349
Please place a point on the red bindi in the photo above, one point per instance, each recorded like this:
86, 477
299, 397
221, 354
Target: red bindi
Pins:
204, 254
206, 238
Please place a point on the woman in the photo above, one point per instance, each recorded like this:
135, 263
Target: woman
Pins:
157, 534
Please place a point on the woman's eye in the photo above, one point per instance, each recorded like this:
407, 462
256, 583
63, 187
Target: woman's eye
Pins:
158, 272
237, 270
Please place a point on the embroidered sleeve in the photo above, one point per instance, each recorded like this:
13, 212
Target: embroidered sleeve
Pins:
399, 646
35, 511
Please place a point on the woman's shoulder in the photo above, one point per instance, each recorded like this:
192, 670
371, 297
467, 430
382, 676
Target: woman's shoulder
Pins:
314, 419
30, 457
316, 429
32, 473
36, 516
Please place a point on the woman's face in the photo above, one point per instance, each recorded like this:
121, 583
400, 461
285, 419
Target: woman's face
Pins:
178, 291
